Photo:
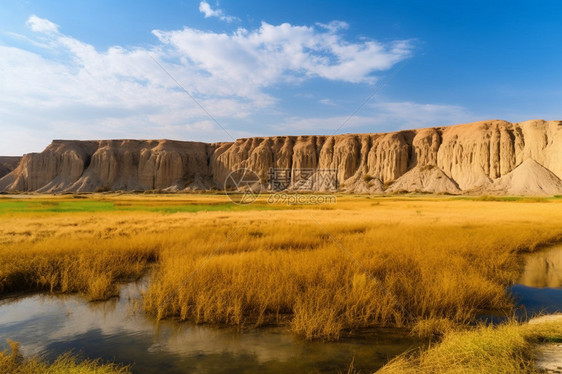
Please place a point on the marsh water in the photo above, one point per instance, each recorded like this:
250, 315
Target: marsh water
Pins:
539, 288
48, 326
51, 325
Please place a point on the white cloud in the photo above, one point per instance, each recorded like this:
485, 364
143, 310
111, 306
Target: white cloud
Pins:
206, 9
42, 25
283, 53
62, 87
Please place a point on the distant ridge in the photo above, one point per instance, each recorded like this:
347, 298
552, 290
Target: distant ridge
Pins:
488, 157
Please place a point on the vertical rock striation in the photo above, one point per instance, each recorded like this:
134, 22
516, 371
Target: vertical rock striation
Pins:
476, 157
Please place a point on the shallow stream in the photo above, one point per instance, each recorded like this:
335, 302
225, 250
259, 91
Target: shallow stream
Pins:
49, 325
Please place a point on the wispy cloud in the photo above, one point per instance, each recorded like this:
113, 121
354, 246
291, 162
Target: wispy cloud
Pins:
63, 87
410, 115
283, 53
381, 117
316, 125
205, 8
328, 102
42, 25
333, 26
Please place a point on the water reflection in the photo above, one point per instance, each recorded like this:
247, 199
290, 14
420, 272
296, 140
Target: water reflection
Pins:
51, 325
539, 288
543, 269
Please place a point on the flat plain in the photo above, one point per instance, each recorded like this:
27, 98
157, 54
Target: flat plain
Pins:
425, 263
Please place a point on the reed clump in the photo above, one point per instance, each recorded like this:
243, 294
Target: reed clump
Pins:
369, 276
92, 265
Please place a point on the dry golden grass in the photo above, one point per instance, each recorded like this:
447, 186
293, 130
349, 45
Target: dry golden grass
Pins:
91, 266
426, 263
506, 349
14, 363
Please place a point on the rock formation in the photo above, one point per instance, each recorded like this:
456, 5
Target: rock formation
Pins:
7, 164
424, 179
529, 178
484, 157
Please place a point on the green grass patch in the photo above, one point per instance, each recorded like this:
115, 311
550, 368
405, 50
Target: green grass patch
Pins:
524, 199
93, 206
35, 206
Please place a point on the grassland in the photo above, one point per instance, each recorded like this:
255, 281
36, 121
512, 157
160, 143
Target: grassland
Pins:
422, 262
429, 264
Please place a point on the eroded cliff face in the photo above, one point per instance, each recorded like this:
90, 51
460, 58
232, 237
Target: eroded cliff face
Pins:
85, 166
7, 164
476, 154
476, 157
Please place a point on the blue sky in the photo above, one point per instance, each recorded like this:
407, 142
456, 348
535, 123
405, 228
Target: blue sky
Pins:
107, 69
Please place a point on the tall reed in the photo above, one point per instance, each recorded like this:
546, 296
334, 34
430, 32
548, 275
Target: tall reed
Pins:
365, 262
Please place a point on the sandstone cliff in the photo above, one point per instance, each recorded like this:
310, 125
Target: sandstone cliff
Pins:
484, 157
7, 164
111, 165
